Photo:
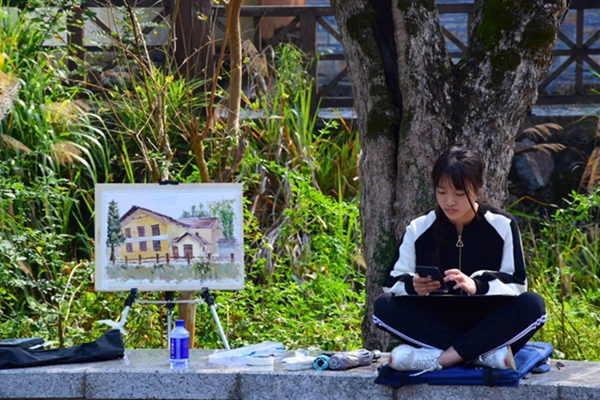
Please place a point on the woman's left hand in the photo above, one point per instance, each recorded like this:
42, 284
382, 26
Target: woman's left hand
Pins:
462, 281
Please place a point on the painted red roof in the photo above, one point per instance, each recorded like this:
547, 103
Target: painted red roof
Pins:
200, 222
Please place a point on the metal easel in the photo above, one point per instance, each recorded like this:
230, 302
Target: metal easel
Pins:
170, 302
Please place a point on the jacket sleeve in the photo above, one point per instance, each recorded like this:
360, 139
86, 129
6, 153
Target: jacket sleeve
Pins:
511, 278
399, 277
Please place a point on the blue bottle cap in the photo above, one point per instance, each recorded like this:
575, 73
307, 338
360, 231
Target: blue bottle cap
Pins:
180, 322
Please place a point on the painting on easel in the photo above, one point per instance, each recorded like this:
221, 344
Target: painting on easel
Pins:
169, 237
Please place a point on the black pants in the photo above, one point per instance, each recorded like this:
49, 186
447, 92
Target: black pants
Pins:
473, 325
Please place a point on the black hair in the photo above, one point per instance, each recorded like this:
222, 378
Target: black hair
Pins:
464, 170
461, 167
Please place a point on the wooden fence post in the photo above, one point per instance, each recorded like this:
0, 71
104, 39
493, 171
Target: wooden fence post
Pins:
308, 33
75, 38
193, 48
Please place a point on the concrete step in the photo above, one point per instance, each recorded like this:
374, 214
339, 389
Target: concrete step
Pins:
145, 374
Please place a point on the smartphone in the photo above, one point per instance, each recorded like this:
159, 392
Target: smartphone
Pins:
435, 274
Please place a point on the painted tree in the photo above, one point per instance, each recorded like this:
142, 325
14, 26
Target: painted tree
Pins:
412, 102
114, 234
224, 211
195, 211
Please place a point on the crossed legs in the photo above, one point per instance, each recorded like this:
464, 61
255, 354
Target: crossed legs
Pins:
463, 327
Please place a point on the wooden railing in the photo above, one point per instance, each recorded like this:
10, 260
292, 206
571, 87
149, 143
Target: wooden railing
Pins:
578, 52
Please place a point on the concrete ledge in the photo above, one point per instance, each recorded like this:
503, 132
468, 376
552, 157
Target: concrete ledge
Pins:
145, 374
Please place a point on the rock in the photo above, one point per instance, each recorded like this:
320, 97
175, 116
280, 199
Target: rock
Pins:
534, 168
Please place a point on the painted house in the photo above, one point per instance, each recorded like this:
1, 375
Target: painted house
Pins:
189, 246
148, 233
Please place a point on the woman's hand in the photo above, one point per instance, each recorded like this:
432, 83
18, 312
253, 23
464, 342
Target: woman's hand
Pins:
424, 286
462, 281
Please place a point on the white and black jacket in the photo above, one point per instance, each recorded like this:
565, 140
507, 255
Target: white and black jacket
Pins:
492, 254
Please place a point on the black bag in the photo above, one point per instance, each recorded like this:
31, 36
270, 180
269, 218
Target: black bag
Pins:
107, 347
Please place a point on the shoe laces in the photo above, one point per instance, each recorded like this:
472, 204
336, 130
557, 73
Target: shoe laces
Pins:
426, 363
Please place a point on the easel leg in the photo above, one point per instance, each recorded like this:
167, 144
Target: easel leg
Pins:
128, 304
208, 299
169, 297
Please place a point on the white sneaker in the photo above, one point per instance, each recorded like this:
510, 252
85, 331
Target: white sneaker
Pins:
408, 358
500, 359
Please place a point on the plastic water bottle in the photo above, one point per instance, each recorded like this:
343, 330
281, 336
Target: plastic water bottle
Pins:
180, 345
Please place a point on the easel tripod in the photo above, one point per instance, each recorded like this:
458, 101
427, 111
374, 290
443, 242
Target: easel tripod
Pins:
170, 302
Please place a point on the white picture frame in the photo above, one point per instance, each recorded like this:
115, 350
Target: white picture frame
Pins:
172, 237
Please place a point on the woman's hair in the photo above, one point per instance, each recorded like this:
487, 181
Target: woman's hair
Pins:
459, 166
464, 169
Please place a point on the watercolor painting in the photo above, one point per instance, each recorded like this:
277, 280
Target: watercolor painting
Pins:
169, 237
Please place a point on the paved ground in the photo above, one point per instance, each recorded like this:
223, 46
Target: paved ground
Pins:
145, 374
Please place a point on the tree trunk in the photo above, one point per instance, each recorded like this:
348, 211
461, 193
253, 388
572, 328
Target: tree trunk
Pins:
234, 8
187, 312
378, 121
479, 102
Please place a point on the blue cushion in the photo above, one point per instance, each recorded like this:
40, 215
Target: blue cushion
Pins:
530, 359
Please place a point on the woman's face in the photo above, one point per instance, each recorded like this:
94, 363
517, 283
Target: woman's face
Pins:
455, 203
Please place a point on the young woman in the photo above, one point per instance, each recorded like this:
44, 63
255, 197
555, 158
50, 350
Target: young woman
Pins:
487, 314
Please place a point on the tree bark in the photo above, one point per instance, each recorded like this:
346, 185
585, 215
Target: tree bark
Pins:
234, 8
378, 121
479, 102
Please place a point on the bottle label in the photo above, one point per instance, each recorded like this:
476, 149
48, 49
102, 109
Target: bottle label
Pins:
180, 348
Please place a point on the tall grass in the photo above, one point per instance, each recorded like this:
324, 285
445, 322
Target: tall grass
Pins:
50, 133
53, 150
564, 261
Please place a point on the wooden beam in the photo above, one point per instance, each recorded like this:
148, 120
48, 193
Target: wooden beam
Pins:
337, 102
454, 39
284, 31
548, 99
75, 39
333, 83
459, 8
579, 57
556, 73
280, 11
323, 22
193, 48
308, 33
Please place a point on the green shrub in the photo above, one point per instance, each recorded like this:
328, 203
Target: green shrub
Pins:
50, 132
563, 259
